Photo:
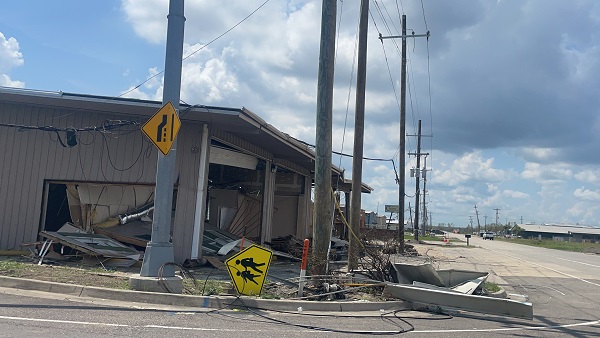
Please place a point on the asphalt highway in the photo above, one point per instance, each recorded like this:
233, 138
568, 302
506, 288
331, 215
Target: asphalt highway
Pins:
564, 288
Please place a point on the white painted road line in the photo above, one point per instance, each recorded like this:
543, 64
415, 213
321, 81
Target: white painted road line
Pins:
568, 260
518, 328
512, 329
545, 267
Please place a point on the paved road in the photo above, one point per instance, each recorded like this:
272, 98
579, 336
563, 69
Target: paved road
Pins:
564, 288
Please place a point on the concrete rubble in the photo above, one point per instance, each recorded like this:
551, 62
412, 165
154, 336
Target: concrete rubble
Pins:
426, 287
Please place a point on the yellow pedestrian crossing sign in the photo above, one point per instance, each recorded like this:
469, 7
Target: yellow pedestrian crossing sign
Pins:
162, 128
248, 269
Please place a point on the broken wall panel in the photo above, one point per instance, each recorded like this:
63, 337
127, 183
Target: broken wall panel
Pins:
31, 158
93, 244
246, 221
221, 198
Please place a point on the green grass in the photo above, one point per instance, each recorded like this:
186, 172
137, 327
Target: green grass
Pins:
429, 238
552, 244
210, 287
11, 266
490, 287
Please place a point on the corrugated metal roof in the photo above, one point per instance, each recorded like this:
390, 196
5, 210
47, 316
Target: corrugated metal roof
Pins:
560, 229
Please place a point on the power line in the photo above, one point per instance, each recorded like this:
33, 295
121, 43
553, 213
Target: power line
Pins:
197, 50
424, 19
347, 155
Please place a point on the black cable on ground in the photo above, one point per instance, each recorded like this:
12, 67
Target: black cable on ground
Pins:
384, 317
184, 273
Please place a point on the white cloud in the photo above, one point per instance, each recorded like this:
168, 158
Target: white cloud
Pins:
589, 176
515, 194
10, 57
586, 194
469, 167
539, 154
547, 173
5, 81
147, 17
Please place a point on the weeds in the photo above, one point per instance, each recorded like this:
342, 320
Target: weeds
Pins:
490, 287
10, 267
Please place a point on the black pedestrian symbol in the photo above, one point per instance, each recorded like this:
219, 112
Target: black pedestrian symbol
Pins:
249, 263
247, 276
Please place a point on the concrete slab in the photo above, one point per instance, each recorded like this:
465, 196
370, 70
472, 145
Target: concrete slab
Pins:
154, 284
425, 273
453, 300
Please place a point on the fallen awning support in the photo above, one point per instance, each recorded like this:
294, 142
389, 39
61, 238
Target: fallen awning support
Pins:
92, 244
454, 300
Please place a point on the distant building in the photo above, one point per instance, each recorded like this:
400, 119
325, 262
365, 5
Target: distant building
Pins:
573, 233
370, 219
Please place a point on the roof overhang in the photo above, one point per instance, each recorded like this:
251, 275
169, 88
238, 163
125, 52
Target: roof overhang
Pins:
240, 122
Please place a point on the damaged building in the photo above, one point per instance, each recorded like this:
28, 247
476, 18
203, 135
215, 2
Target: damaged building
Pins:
82, 160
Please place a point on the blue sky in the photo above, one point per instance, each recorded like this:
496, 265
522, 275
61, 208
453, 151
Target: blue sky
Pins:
508, 88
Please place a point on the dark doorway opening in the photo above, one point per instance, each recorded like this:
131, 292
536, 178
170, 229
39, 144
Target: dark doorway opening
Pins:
57, 207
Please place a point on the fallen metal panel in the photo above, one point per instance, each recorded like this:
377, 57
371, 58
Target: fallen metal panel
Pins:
468, 287
97, 245
135, 232
454, 277
449, 299
424, 273
432, 287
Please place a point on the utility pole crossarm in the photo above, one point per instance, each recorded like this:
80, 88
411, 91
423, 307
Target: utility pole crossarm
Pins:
426, 35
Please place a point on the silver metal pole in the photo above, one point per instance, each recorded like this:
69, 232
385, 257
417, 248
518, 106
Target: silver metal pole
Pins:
160, 250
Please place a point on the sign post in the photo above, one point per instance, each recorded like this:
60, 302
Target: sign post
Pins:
163, 128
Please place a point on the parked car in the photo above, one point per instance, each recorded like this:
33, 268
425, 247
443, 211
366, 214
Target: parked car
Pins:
488, 235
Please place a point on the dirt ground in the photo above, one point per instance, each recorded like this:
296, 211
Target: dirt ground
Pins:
205, 280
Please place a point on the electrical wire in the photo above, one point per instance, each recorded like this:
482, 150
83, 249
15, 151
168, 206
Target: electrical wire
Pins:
270, 319
347, 155
197, 50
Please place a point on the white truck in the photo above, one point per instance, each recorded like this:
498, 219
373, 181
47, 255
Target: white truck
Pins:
488, 235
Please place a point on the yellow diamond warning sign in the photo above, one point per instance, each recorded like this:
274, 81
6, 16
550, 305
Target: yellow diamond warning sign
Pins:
162, 128
248, 269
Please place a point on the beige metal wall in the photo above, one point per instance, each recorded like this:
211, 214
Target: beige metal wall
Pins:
285, 216
28, 158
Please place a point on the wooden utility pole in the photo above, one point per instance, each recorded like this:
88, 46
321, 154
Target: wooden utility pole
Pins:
359, 132
478, 224
323, 215
410, 214
496, 216
424, 171
485, 223
418, 180
402, 152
